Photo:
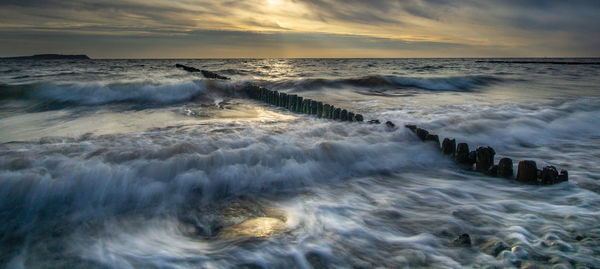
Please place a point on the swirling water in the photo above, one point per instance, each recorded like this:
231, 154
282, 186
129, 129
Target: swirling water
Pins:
137, 164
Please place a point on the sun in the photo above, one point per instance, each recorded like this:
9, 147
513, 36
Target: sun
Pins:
274, 2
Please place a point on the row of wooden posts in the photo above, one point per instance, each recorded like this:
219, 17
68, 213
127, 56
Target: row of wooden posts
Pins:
299, 104
483, 159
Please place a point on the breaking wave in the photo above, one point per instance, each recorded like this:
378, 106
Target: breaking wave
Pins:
98, 93
459, 83
86, 178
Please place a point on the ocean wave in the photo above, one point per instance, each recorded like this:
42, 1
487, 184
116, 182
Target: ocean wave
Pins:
99, 93
118, 199
457, 83
510, 126
115, 173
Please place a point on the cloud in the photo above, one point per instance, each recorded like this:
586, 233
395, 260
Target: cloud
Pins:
413, 27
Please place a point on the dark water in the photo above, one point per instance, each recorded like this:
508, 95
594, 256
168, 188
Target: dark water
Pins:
137, 164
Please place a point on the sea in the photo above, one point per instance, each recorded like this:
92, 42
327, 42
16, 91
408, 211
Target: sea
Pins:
138, 164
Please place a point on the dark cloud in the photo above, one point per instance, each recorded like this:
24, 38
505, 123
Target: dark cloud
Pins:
203, 43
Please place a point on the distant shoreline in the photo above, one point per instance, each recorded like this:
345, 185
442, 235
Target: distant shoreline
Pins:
50, 57
493, 60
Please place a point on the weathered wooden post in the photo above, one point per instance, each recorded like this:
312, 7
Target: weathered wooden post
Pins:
337, 113
359, 117
305, 106
344, 115
299, 102
549, 175
527, 171
433, 138
563, 176
484, 158
505, 168
462, 154
283, 97
326, 108
319, 109
292, 102
449, 146
422, 133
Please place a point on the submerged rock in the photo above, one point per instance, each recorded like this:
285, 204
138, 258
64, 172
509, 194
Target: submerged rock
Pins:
519, 252
246, 218
463, 240
449, 146
255, 228
390, 124
528, 265
250, 266
316, 260
527, 171
505, 168
494, 248
373, 122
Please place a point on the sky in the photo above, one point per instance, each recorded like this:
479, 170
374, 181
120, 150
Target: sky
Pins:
301, 28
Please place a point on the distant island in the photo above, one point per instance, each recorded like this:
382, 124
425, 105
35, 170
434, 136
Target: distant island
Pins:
51, 57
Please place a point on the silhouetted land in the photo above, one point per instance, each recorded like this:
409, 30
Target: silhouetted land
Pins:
51, 57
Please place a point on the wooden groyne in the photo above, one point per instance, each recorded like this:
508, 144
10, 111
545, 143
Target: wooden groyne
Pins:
205, 73
298, 104
292, 102
481, 159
